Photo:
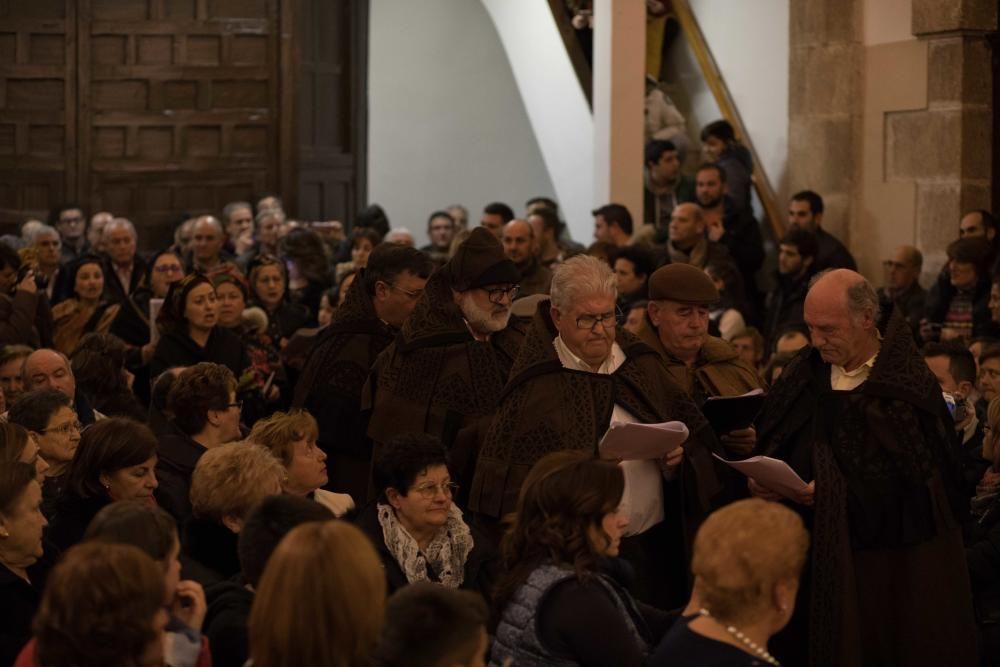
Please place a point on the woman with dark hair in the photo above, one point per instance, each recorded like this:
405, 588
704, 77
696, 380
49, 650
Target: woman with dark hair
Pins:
958, 304
99, 368
564, 598
308, 267
190, 332
17, 445
328, 574
48, 416
732, 312
720, 145
155, 532
268, 289
417, 530
103, 607
116, 460
21, 525
363, 241
86, 309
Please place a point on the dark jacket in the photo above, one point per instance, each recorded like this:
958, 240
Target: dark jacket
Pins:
209, 552
18, 315
535, 278
71, 517
176, 348
784, 304
744, 242
284, 320
939, 300
226, 622
911, 302
178, 455
737, 162
20, 602
117, 292
332, 382
481, 565
657, 207
832, 253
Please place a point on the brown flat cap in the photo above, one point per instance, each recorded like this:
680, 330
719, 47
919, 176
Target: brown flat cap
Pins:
682, 283
480, 261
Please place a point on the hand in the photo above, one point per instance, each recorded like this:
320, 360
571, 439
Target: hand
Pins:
243, 242
671, 461
189, 604
759, 490
273, 394
715, 230
147, 352
807, 497
741, 441
28, 283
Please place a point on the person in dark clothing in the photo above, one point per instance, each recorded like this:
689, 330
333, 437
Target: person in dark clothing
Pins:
720, 146
99, 368
25, 315
308, 271
688, 243
902, 286
633, 265
418, 532
564, 597
116, 460
227, 483
124, 270
190, 334
796, 261
229, 601
805, 211
982, 550
862, 418
958, 304
330, 387
744, 587
730, 225
206, 415
49, 418
21, 556
665, 186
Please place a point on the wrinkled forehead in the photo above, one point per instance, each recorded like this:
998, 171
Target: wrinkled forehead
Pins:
46, 363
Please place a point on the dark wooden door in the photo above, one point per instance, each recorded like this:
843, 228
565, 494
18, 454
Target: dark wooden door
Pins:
331, 102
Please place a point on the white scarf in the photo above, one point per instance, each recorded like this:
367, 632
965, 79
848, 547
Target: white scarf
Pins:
446, 554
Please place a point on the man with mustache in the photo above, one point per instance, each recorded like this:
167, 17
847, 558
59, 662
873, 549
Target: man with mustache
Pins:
444, 373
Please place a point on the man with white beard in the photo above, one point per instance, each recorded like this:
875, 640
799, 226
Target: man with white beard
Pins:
444, 373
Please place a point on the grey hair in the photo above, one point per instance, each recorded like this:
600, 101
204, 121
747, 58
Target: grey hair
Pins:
233, 206
578, 277
861, 295
120, 222
42, 230
266, 213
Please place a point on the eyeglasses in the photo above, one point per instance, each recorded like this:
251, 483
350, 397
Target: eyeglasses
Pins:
413, 294
496, 295
168, 268
429, 490
70, 221
607, 320
65, 429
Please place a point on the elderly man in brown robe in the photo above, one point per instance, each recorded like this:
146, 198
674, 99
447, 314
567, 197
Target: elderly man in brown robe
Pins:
375, 307
576, 374
444, 372
862, 419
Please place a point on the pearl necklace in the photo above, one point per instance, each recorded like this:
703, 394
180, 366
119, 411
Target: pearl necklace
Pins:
749, 643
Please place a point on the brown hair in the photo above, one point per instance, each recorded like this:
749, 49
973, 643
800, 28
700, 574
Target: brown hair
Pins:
281, 430
13, 440
98, 607
196, 390
564, 496
106, 447
741, 552
14, 479
330, 574
230, 479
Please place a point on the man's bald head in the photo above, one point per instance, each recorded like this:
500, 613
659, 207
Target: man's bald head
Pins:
842, 312
48, 369
518, 241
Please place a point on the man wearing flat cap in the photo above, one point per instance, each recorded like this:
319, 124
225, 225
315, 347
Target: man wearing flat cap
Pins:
445, 370
702, 365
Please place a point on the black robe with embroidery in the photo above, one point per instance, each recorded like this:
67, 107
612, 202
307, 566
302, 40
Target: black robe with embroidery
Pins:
331, 385
436, 378
887, 582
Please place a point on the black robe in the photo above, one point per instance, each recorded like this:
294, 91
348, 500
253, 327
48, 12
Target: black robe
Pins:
887, 582
331, 385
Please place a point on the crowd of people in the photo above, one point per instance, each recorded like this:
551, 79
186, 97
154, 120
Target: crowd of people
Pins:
279, 443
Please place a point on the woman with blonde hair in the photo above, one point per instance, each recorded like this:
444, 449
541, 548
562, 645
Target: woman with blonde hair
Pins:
747, 560
320, 601
291, 438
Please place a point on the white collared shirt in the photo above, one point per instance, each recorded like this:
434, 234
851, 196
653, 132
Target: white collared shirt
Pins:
844, 380
643, 496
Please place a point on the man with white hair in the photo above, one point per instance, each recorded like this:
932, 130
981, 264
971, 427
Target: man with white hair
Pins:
47, 245
444, 373
576, 374
124, 271
98, 222
49, 369
861, 418
208, 255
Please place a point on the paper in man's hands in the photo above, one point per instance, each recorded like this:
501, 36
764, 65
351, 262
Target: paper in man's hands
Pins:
772, 473
642, 442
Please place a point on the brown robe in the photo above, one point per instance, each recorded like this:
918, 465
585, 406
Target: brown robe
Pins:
436, 378
887, 582
331, 386
73, 320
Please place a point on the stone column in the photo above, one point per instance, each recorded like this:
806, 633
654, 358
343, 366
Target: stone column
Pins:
947, 148
824, 105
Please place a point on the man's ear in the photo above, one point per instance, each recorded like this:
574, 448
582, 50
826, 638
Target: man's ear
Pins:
381, 290
232, 523
965, 388
653, 312
213, 417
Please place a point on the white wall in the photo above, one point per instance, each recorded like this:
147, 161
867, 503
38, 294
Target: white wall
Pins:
446, 120
749, 41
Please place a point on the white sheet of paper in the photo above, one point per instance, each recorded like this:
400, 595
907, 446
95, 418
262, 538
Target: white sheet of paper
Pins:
772, 473
154, 310
642, 442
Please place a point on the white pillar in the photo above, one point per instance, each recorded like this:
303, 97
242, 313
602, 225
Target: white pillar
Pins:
619, 87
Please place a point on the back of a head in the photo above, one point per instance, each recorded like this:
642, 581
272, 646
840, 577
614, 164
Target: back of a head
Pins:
137, 523
268, 524
196, 390
505, 212
389, 260
428, 625
35, 408
735, 569
961, 362
99, 606
550, 220
330, 574
229, 480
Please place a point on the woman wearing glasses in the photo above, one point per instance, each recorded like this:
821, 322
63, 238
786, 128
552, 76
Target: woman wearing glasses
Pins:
116, 460
52, 423
416, 528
